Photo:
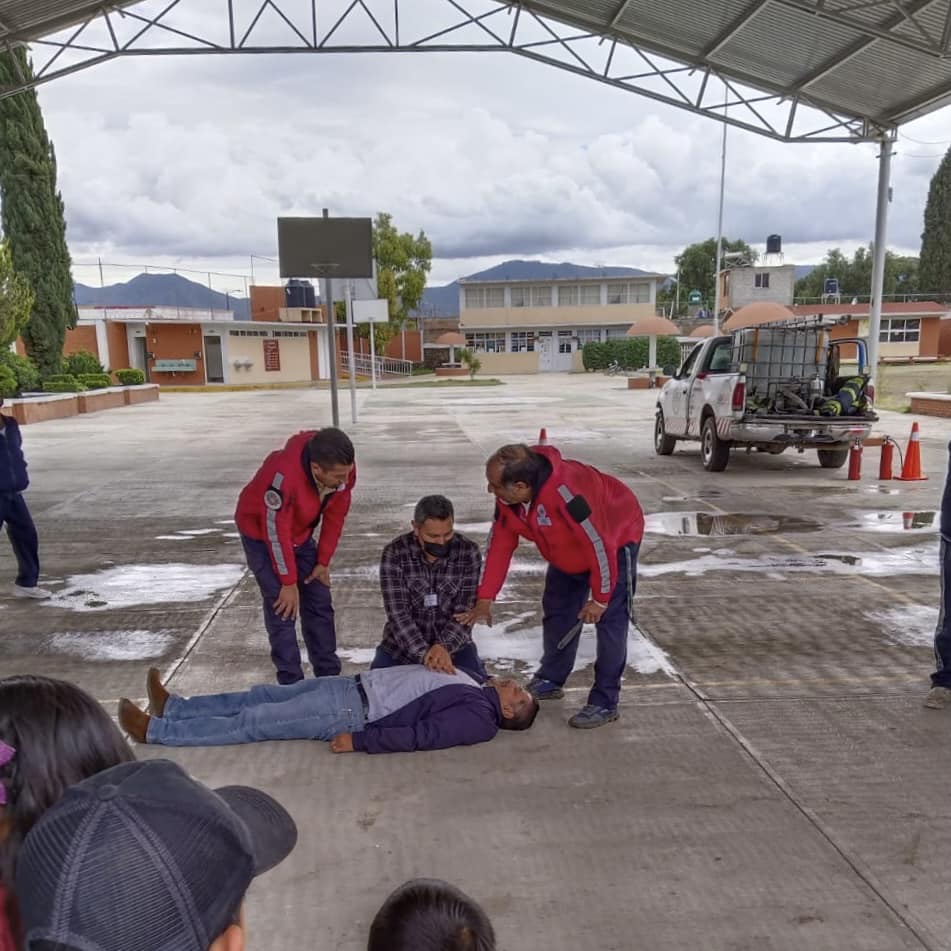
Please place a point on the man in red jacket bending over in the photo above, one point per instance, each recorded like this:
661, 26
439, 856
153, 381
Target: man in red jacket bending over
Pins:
588, 526
307, 482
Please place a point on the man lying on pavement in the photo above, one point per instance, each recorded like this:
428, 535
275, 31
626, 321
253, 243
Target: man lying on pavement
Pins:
389, 710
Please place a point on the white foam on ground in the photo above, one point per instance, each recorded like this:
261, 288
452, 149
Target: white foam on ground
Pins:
131, 585
173, 538
199, 531
920, 560
449, 400
111, 645
912, 624
358, 655
475, 527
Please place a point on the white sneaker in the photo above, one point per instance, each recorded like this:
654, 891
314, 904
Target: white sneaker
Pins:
938, 698
39, 594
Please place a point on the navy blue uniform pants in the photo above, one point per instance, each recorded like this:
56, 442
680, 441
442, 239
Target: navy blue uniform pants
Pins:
565, 595
466, 657
22, 533
942, 638
316, 614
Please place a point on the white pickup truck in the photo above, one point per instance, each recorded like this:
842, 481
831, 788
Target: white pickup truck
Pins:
767, 389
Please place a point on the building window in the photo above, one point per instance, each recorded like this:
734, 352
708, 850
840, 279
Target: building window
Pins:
590, 295
521, 296
523, 341
575, 295
617, 333
588, 335
899, 330
629, 293
249, 333
761, 280
541, 296
564, 341
492, 342
479, 298
568, 295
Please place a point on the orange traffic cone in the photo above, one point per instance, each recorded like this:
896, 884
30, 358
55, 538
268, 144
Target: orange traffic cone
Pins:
543, 437
907, 520
911, 470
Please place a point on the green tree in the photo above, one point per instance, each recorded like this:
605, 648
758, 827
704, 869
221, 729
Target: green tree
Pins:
855, 275
402, 262
696, 267
935, 270
32, 215
16, 299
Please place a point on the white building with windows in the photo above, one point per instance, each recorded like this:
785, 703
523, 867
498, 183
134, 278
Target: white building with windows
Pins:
541, 326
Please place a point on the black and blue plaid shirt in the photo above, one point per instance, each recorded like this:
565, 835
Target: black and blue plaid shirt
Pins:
421, 597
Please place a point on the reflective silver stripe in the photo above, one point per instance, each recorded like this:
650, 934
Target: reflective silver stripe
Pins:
599, 550
271, 521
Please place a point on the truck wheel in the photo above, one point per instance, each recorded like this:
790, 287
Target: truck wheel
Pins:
714, 452
833, 458
664, 445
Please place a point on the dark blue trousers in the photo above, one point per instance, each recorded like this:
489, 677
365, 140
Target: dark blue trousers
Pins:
942, 636
466, 657
316, 614
565, 595
22, 533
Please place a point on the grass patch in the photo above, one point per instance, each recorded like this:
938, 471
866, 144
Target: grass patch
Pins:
446, 382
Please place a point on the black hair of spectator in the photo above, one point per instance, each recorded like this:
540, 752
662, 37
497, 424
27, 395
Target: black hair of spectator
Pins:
430, 915
61, 736
331, 447
433, 506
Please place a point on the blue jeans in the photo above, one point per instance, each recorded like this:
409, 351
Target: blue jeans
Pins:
316, 614
565, 595
307, 710
467, 658
942, 635
23, 537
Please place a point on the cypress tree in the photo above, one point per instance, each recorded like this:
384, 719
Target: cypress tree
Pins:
934, 269
32, 215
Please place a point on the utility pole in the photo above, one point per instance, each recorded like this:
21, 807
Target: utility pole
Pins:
332, 340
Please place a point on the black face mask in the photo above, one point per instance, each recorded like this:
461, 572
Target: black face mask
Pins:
436, 550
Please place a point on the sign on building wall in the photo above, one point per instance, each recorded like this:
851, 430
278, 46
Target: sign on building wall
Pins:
272, 354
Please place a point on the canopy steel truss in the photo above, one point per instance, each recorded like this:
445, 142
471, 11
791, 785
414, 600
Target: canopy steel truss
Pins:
704, 82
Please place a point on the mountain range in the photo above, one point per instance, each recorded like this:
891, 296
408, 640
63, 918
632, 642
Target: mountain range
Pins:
173, 290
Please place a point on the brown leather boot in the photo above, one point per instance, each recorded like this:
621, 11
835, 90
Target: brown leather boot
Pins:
133, 720
158, 695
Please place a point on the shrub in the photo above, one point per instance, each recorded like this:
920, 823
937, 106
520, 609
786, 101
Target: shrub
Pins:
8, 382
26, 375
468, 358
61, 378
95, 381
631, 353
82, 362
51, 386
130, 377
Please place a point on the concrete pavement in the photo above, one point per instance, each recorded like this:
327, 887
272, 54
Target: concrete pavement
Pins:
773, 781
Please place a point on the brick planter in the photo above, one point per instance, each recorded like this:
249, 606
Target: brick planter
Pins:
931, 404
452, 371
43, 408
141, 393
638, 383
96, 400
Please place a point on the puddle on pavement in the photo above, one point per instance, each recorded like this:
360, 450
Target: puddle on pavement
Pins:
912, 625
896, 521
694, 524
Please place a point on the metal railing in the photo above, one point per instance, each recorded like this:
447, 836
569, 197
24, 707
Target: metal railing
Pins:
363, 364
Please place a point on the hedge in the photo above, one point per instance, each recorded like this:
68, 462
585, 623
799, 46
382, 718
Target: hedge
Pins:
631, 353
26, 375
57, 386
95, 381
130, 377
82, 362
8, 382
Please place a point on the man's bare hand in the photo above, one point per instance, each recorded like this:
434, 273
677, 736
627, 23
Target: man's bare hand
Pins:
592, 611
439, 659
480, 613
320, 573
287, 605
342, 743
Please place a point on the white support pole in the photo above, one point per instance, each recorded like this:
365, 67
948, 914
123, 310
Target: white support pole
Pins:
352, 363
716, 293
373, 354
652, 352
878, 253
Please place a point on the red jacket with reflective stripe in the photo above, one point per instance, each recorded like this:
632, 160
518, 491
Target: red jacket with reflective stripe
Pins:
579, 519
285, 481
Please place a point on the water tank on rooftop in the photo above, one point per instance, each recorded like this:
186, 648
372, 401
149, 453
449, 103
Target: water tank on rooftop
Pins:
299, 293
774, 244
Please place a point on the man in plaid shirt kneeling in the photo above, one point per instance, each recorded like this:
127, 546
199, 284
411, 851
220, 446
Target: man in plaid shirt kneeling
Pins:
429, 578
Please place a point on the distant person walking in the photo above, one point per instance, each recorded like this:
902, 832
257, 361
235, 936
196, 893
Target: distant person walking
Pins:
14, 512
305, 484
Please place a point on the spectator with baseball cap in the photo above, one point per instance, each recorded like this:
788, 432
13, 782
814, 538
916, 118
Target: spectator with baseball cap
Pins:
141, 857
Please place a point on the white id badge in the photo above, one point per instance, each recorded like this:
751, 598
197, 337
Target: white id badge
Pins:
431, 600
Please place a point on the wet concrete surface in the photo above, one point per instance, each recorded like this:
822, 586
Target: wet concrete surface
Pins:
773, 781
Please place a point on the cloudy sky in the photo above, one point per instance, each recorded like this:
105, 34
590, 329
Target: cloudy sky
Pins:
188, 161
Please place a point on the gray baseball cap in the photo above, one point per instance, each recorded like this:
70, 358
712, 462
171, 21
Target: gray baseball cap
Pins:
143, 856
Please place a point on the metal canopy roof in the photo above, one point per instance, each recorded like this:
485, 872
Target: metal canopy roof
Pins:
790, 69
